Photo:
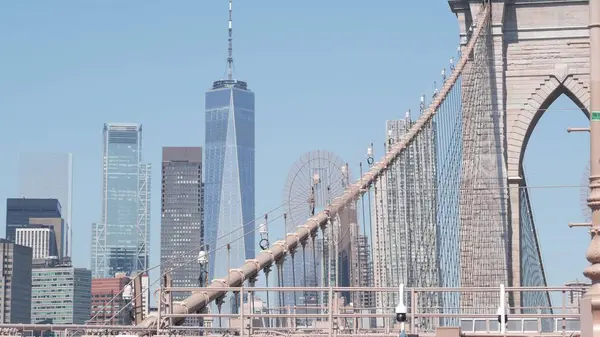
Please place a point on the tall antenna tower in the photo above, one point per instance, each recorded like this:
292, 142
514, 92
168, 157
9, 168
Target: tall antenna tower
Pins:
230, 49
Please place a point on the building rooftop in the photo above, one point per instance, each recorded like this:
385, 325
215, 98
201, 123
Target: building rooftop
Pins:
230, 83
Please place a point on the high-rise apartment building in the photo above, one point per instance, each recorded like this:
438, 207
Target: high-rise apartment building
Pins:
365, 272
108, 301
49, 175
33, 213
120, 241
229, 180
41, 240
364, 300
15, 283
404, 218
61, 295
181, 231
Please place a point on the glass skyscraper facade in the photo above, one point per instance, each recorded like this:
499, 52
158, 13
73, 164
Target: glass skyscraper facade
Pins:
49, 175
229, 179
120, 241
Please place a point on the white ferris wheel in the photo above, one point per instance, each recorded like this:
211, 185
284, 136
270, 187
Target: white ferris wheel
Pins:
314, 181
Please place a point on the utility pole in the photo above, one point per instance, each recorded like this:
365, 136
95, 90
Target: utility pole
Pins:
590, 304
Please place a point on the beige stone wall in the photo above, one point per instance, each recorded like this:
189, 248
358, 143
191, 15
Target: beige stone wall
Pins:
483, 201
539, 50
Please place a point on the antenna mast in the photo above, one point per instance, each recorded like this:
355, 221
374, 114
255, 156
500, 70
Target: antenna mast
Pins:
230, 49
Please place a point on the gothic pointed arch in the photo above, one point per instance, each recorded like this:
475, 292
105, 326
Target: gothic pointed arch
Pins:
537, 104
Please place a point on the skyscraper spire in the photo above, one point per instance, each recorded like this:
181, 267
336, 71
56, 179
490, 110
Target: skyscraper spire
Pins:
230, 49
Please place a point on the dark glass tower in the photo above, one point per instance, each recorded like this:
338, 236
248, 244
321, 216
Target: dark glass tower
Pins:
181, 215
181, 229
19, 211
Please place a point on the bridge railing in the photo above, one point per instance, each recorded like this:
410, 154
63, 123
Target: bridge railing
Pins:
337, 315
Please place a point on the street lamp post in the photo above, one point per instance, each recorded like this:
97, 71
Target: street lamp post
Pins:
203, 262
203, 279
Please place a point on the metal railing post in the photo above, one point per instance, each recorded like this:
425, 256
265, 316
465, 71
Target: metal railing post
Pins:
160, 294
330, 309
502, 310
241, 302
564, 311
413, 310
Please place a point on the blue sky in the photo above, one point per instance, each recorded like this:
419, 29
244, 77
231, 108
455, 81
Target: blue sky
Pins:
327, 75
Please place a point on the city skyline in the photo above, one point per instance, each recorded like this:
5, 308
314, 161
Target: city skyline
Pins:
157, 110
445, 199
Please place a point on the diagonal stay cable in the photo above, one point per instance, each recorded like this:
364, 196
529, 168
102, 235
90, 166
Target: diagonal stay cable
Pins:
197, 249
188, 262
279, 249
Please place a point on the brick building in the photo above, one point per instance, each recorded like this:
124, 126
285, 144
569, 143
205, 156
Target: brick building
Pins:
103, 291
